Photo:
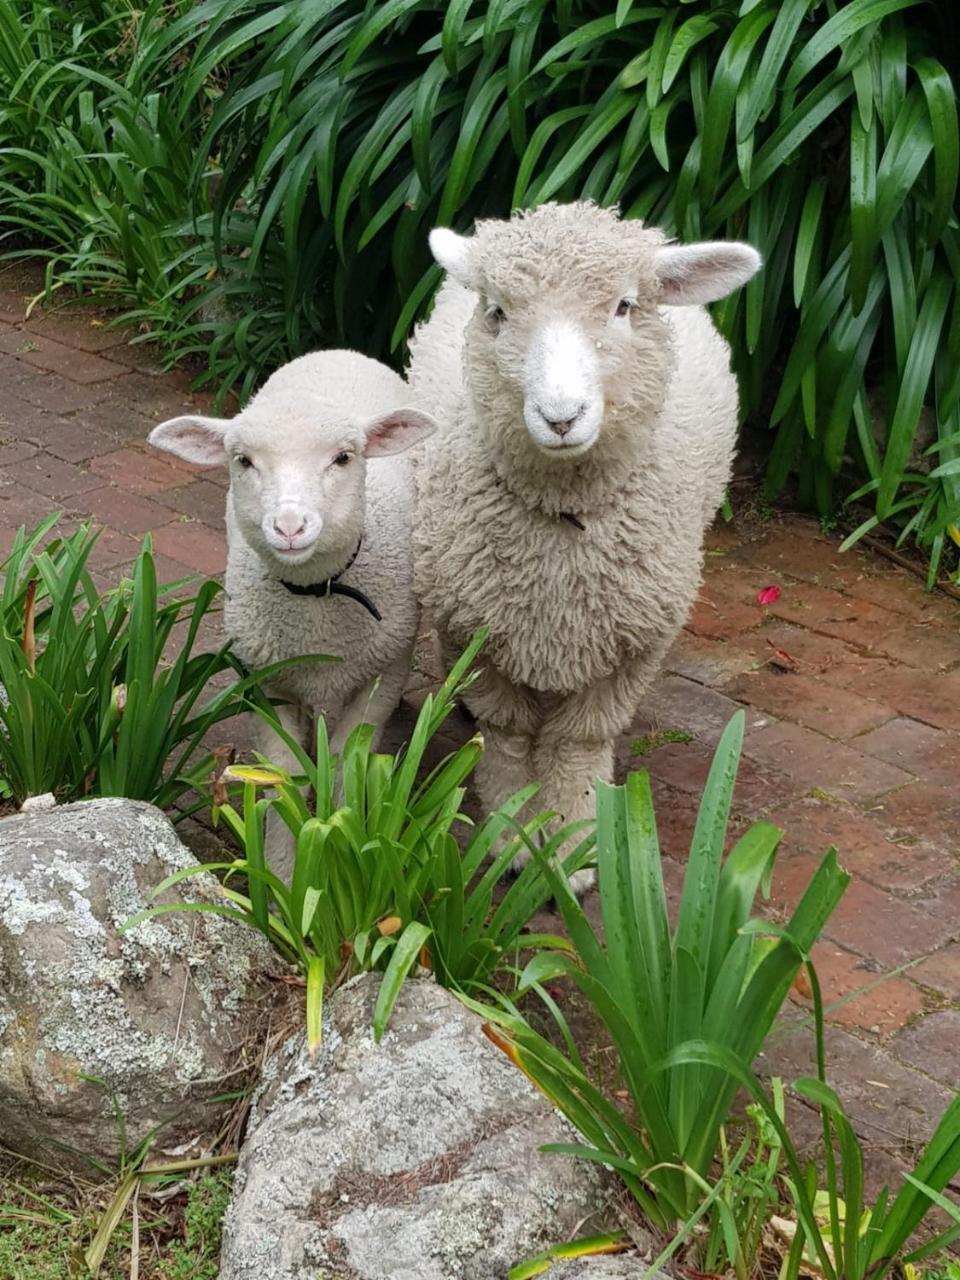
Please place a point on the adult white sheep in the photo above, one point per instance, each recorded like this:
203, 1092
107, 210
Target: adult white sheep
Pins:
588, 420
319, 557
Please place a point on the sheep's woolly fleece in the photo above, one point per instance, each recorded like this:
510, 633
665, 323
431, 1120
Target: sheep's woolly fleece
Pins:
569, 608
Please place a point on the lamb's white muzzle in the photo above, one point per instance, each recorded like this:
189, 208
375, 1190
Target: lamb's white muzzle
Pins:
563, 399
291, 531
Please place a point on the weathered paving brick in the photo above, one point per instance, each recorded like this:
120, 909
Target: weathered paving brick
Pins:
815, 761
927, 753
138, 471
710, 662
809, 701
856, 993
864, 847
125, 512
50, 476
187, 541
68, 362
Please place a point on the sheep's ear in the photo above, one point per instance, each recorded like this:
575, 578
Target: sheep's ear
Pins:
697, 273
193, 438
396, 431
454, 253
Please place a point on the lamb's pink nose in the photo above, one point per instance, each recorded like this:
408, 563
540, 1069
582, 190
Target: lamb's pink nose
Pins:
289, 525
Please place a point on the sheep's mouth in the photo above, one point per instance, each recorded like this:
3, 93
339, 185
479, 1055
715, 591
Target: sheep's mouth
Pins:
568, 448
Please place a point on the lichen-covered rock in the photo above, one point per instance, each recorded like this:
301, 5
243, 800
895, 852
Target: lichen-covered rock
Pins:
418, 1157
624, 1266
158, 1015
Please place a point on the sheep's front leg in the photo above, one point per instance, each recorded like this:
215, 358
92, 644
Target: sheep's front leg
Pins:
373, 704
279, 842
568, 773
575, 744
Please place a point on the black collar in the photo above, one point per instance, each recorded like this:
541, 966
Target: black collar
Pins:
334, 587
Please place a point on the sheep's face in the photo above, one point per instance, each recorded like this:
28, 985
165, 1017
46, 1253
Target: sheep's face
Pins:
568, 324
297, 478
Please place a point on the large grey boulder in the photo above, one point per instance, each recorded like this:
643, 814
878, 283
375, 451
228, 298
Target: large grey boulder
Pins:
417, 1157
620, 1266
159, 1015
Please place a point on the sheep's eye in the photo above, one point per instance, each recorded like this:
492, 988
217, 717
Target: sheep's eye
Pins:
244, 461
625, 306
341, 459
495, 316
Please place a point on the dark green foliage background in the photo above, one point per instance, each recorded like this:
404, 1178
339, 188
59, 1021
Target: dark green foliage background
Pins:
252, 179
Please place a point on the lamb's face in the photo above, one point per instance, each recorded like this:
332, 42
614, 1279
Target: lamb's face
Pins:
297, 474
297, 488
568, 321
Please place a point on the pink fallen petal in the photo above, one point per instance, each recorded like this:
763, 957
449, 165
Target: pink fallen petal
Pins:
768, 595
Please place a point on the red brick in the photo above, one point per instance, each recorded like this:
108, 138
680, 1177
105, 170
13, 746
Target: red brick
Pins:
200, 500
929, 696
832, 614
941, 972
811, 760
19, 505
86, 330
867, 920
864, 847
836, 712
724, 609
121, 511
884, 1004
685, 765
155, 398
935, 1044
676, 703
922, 808
49, 476
810, 654
141, 357
116, 416
902, 593
795, 547
192, 544
70, 363
924, 645
710, 662
49, 391
69, 439
137, 471
927, 753
14, 450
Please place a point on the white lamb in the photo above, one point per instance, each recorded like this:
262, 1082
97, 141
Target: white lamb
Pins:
588, 419
319, 556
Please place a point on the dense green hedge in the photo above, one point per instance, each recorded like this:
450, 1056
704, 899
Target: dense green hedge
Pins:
252, 179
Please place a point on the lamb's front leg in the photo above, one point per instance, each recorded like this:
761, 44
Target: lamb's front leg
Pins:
279, 845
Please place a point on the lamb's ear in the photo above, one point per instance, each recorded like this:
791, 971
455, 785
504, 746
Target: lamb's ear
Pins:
454, 253
396, 431
698, 273
193, 438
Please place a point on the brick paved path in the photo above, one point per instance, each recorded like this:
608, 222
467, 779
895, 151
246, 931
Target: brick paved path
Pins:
851, 682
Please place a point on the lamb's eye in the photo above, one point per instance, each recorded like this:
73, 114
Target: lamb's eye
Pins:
495, 316
341, 459
244, 461
625, 306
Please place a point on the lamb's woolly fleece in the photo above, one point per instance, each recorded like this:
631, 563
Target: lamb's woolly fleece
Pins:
570, 612
567, 607
266, 621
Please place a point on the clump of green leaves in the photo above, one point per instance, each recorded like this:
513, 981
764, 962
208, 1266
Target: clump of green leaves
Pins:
379, 880
717, 978
89, 704
647, 743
